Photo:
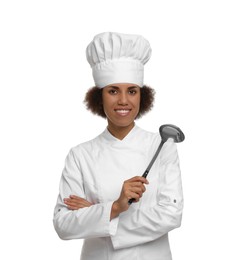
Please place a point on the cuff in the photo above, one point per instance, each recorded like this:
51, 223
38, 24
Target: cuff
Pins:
114, 222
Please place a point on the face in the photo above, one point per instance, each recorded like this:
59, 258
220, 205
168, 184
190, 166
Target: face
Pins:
121, 103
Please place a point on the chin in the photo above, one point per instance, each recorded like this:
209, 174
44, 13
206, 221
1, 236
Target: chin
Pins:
122, 123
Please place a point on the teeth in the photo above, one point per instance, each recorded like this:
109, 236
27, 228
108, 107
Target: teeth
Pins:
123, 111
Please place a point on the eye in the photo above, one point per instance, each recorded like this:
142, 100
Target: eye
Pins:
112, 91
132, 91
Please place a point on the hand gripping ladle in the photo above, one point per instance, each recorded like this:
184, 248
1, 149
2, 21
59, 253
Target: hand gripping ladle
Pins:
166, 131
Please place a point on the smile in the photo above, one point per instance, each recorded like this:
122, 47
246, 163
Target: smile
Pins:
122, 112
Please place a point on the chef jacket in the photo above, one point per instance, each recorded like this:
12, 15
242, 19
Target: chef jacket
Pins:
95, 170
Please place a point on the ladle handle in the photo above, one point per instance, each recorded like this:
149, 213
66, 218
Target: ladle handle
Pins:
145, 174
131, 201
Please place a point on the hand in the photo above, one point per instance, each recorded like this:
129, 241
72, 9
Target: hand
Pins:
132, 188
75, 202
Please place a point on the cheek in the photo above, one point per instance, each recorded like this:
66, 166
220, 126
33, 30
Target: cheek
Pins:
136, 105
107, 106
138, 102
106, 101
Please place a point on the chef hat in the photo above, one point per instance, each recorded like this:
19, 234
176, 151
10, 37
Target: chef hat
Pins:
118, 58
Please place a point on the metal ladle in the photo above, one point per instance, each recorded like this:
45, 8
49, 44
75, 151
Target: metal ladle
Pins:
166, 131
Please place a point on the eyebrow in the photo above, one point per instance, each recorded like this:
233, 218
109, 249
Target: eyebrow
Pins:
130, 87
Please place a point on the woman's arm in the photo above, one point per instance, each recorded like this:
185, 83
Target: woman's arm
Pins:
75, 217
132, 188
158, 217
89, 221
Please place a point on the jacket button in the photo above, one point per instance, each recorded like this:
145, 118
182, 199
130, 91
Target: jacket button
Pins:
174, 201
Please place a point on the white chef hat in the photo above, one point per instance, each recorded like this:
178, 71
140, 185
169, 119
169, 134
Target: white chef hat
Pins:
118, 58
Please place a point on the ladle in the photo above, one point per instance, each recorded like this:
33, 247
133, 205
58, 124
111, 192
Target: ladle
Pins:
166, 131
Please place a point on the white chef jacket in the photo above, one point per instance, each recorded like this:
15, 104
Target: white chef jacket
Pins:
95, 170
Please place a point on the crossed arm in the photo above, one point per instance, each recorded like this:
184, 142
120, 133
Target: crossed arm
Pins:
132, 188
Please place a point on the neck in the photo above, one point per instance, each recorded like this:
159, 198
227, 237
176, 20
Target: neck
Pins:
120, 131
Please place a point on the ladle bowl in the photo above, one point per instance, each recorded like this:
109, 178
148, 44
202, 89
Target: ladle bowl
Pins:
171, 131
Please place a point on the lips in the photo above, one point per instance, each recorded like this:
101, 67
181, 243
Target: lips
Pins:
122, 112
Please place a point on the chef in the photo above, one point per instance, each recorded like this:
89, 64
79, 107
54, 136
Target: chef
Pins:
101, 175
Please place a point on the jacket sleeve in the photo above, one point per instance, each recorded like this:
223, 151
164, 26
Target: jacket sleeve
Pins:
89, 222
146, 223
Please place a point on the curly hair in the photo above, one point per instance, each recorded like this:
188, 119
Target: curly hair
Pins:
94, 103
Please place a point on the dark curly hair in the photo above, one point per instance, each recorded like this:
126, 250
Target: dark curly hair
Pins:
94, 103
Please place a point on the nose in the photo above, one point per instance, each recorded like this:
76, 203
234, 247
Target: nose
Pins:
123, 99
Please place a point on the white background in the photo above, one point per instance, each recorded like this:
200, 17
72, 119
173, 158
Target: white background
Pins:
198, 69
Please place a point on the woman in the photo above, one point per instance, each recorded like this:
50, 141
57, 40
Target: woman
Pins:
101, 175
